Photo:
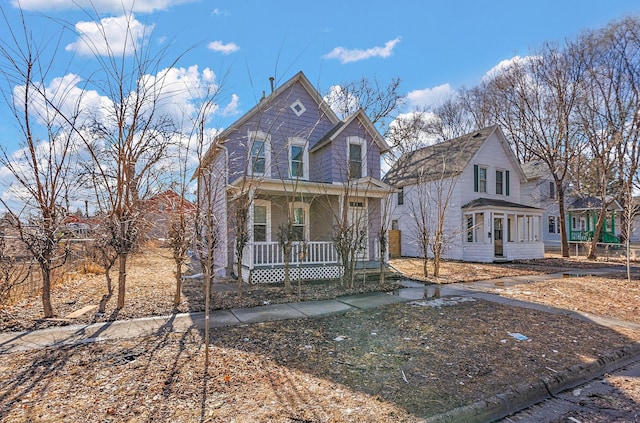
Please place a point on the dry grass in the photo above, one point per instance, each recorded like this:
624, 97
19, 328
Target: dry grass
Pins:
398, 363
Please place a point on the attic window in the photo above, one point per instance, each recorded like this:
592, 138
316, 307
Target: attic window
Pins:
298, 108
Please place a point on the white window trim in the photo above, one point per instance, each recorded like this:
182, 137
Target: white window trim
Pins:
485, 180
298, 108
363, 143
300, 142
503, 185
305, 207
253, 136
267, 204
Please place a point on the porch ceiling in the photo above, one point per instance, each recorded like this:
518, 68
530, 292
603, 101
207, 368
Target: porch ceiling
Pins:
360, 188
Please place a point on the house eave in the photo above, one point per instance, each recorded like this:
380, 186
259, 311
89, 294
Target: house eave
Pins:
364, 187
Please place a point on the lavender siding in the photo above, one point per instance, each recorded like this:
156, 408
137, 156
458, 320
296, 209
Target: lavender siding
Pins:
340, 148
280, 122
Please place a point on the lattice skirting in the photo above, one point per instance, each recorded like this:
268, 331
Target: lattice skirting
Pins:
275, 275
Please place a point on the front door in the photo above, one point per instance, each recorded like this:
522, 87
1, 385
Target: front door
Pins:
358, 221
497, 237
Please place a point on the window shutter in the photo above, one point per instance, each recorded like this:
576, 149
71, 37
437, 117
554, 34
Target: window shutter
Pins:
506, 176
475, 178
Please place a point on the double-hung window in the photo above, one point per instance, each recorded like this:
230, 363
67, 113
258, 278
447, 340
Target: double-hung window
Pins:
298, 159
259, 153
499, 182
300, 224
479, 178
260, 223
552, 224
357, 157
258, 159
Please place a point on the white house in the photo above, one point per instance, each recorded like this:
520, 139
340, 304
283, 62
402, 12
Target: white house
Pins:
474, 180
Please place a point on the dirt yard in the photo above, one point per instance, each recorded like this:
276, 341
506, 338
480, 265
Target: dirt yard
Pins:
399, 363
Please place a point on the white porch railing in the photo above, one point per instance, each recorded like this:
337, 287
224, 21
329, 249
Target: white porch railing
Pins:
271, 253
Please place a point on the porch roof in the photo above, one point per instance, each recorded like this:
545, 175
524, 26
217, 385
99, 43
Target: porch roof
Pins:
592, 203
489, 203
364, 187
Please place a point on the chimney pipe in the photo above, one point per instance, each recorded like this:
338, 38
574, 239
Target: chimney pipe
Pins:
271, 80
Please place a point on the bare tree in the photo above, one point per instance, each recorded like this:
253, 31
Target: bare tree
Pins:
378, 104
419, 210
386, 211
209, 219
185, 225
41, 170
609, 113
106, 255
129, 136
535, 100
367, 94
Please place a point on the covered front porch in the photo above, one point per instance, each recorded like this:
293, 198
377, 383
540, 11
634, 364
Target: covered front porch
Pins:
264, 262
498, 230
306, 217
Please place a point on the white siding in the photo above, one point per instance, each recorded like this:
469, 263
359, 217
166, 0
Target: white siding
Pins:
493, 157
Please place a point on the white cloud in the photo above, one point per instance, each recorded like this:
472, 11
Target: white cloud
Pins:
231, 109
417, 124
223, 48
218, 12
110, 36
507, 64
341, 102
63, 98
101, 6
354, 55
428, 97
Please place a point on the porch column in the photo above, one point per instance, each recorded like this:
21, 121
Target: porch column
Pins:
252, 194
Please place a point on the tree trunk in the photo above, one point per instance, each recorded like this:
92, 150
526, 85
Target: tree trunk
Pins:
46, 291
105, 298
178, 293
593, 245
239, 274
287, 260
425, 269
122, 279
564, 242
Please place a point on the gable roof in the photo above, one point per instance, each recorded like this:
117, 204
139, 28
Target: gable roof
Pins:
342, 125
592, 203
265, 102
535, 169
297, 78
444, 159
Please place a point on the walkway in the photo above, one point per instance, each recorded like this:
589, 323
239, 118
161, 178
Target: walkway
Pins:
124, 329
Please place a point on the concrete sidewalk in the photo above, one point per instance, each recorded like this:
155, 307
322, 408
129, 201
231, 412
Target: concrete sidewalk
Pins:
407, 291
123, 329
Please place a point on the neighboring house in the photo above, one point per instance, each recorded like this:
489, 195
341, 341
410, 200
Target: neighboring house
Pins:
583, 215
290, 155
160, 209
581, 212
540, 190
635, 225
485, 220
78, 226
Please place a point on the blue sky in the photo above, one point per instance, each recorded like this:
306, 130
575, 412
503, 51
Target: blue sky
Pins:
433, 47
